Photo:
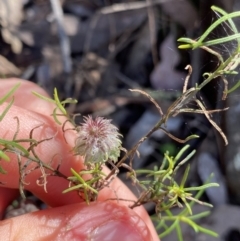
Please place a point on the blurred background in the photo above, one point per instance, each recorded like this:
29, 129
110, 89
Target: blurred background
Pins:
96, 50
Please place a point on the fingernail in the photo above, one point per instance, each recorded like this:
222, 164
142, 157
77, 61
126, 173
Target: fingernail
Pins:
116, 230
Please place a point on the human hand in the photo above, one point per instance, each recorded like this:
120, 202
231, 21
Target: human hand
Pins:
68, 218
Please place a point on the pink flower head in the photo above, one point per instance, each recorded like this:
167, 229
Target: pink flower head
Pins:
98, 140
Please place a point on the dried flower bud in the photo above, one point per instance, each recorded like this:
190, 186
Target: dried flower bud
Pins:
98, 140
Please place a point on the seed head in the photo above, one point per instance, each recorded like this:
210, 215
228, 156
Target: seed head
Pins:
98, 140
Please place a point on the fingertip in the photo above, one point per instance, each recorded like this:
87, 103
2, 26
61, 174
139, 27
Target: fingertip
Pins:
98, 221
24, 97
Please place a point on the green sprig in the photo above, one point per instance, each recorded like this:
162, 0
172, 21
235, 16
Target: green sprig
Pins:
60, 105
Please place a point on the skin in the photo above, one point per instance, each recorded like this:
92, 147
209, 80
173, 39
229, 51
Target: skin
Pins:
68, 218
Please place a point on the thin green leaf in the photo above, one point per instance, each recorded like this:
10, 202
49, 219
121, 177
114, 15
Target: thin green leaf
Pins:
185, 46
179, 233
185, 176
43, 97
190, 223
4, 156
203, 187
187, 158
2, 171
208, 231
187, 206
73, 188
86, 196
220, 40
10, 93
69, 101
6, 109
55, 116
180, 153
200, 215
15, 145
170, 229
80, 179
237, 85
58, 102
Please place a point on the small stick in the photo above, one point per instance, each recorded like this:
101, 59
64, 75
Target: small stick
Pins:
150, 98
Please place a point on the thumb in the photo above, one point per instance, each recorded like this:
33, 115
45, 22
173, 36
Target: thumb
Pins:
99, 221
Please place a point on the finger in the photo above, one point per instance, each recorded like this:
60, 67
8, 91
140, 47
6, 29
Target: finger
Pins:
99, 221
24, 98
47, 150
55, 150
